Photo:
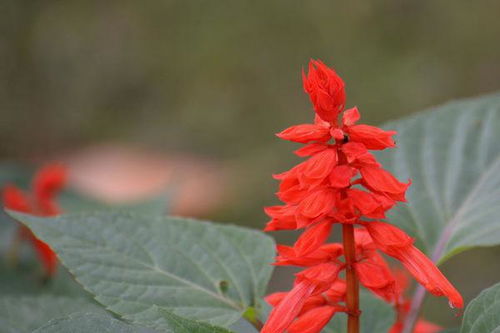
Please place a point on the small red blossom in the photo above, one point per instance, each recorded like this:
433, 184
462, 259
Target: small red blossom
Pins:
396, 243
305, 133
47, 183
326, 90
341, 182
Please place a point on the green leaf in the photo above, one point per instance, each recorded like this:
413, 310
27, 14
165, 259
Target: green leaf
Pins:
377, 316
482, 315
131, 263
26, 279
24, 313
452, 155
89, 322
166, 321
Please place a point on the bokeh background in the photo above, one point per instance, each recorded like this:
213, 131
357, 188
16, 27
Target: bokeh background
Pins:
134, 95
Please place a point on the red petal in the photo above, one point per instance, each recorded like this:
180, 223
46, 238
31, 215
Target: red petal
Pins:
351, 116
424, 326
46, 256
322, 276
14, 199
47, 183
377, 278
283, 315
381, 180
311, 303
353, 150
318, 167
305, 133
312, 238
314, 207
310, 149
275, 299
372, 137
387, 237
341, 175
337, 290
313, 320
427, 274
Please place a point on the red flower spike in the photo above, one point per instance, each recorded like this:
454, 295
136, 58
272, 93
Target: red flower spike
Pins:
305, 133
313, 320
325, 190
372, 137
326, 90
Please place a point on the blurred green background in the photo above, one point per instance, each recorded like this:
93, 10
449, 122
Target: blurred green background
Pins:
217, 79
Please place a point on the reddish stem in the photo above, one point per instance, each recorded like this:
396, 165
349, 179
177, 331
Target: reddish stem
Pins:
352, 296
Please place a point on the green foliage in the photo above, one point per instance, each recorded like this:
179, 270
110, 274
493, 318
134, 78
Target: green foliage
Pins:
452, 155
19, 314
376, 316
89, 322
166, 321
133, 263
482, 315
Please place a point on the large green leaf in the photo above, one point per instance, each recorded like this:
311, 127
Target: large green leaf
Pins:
21, 314
452, 155
166, 321
377, 316
482, 315
131, 263
89, 322
27, 279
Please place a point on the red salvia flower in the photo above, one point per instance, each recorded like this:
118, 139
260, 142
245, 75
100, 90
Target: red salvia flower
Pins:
47, 183
341, 182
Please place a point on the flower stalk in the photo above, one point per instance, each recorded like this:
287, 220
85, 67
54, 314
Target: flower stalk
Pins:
352, 295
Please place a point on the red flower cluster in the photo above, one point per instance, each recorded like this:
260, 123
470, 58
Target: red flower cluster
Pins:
341, 182
47, 182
